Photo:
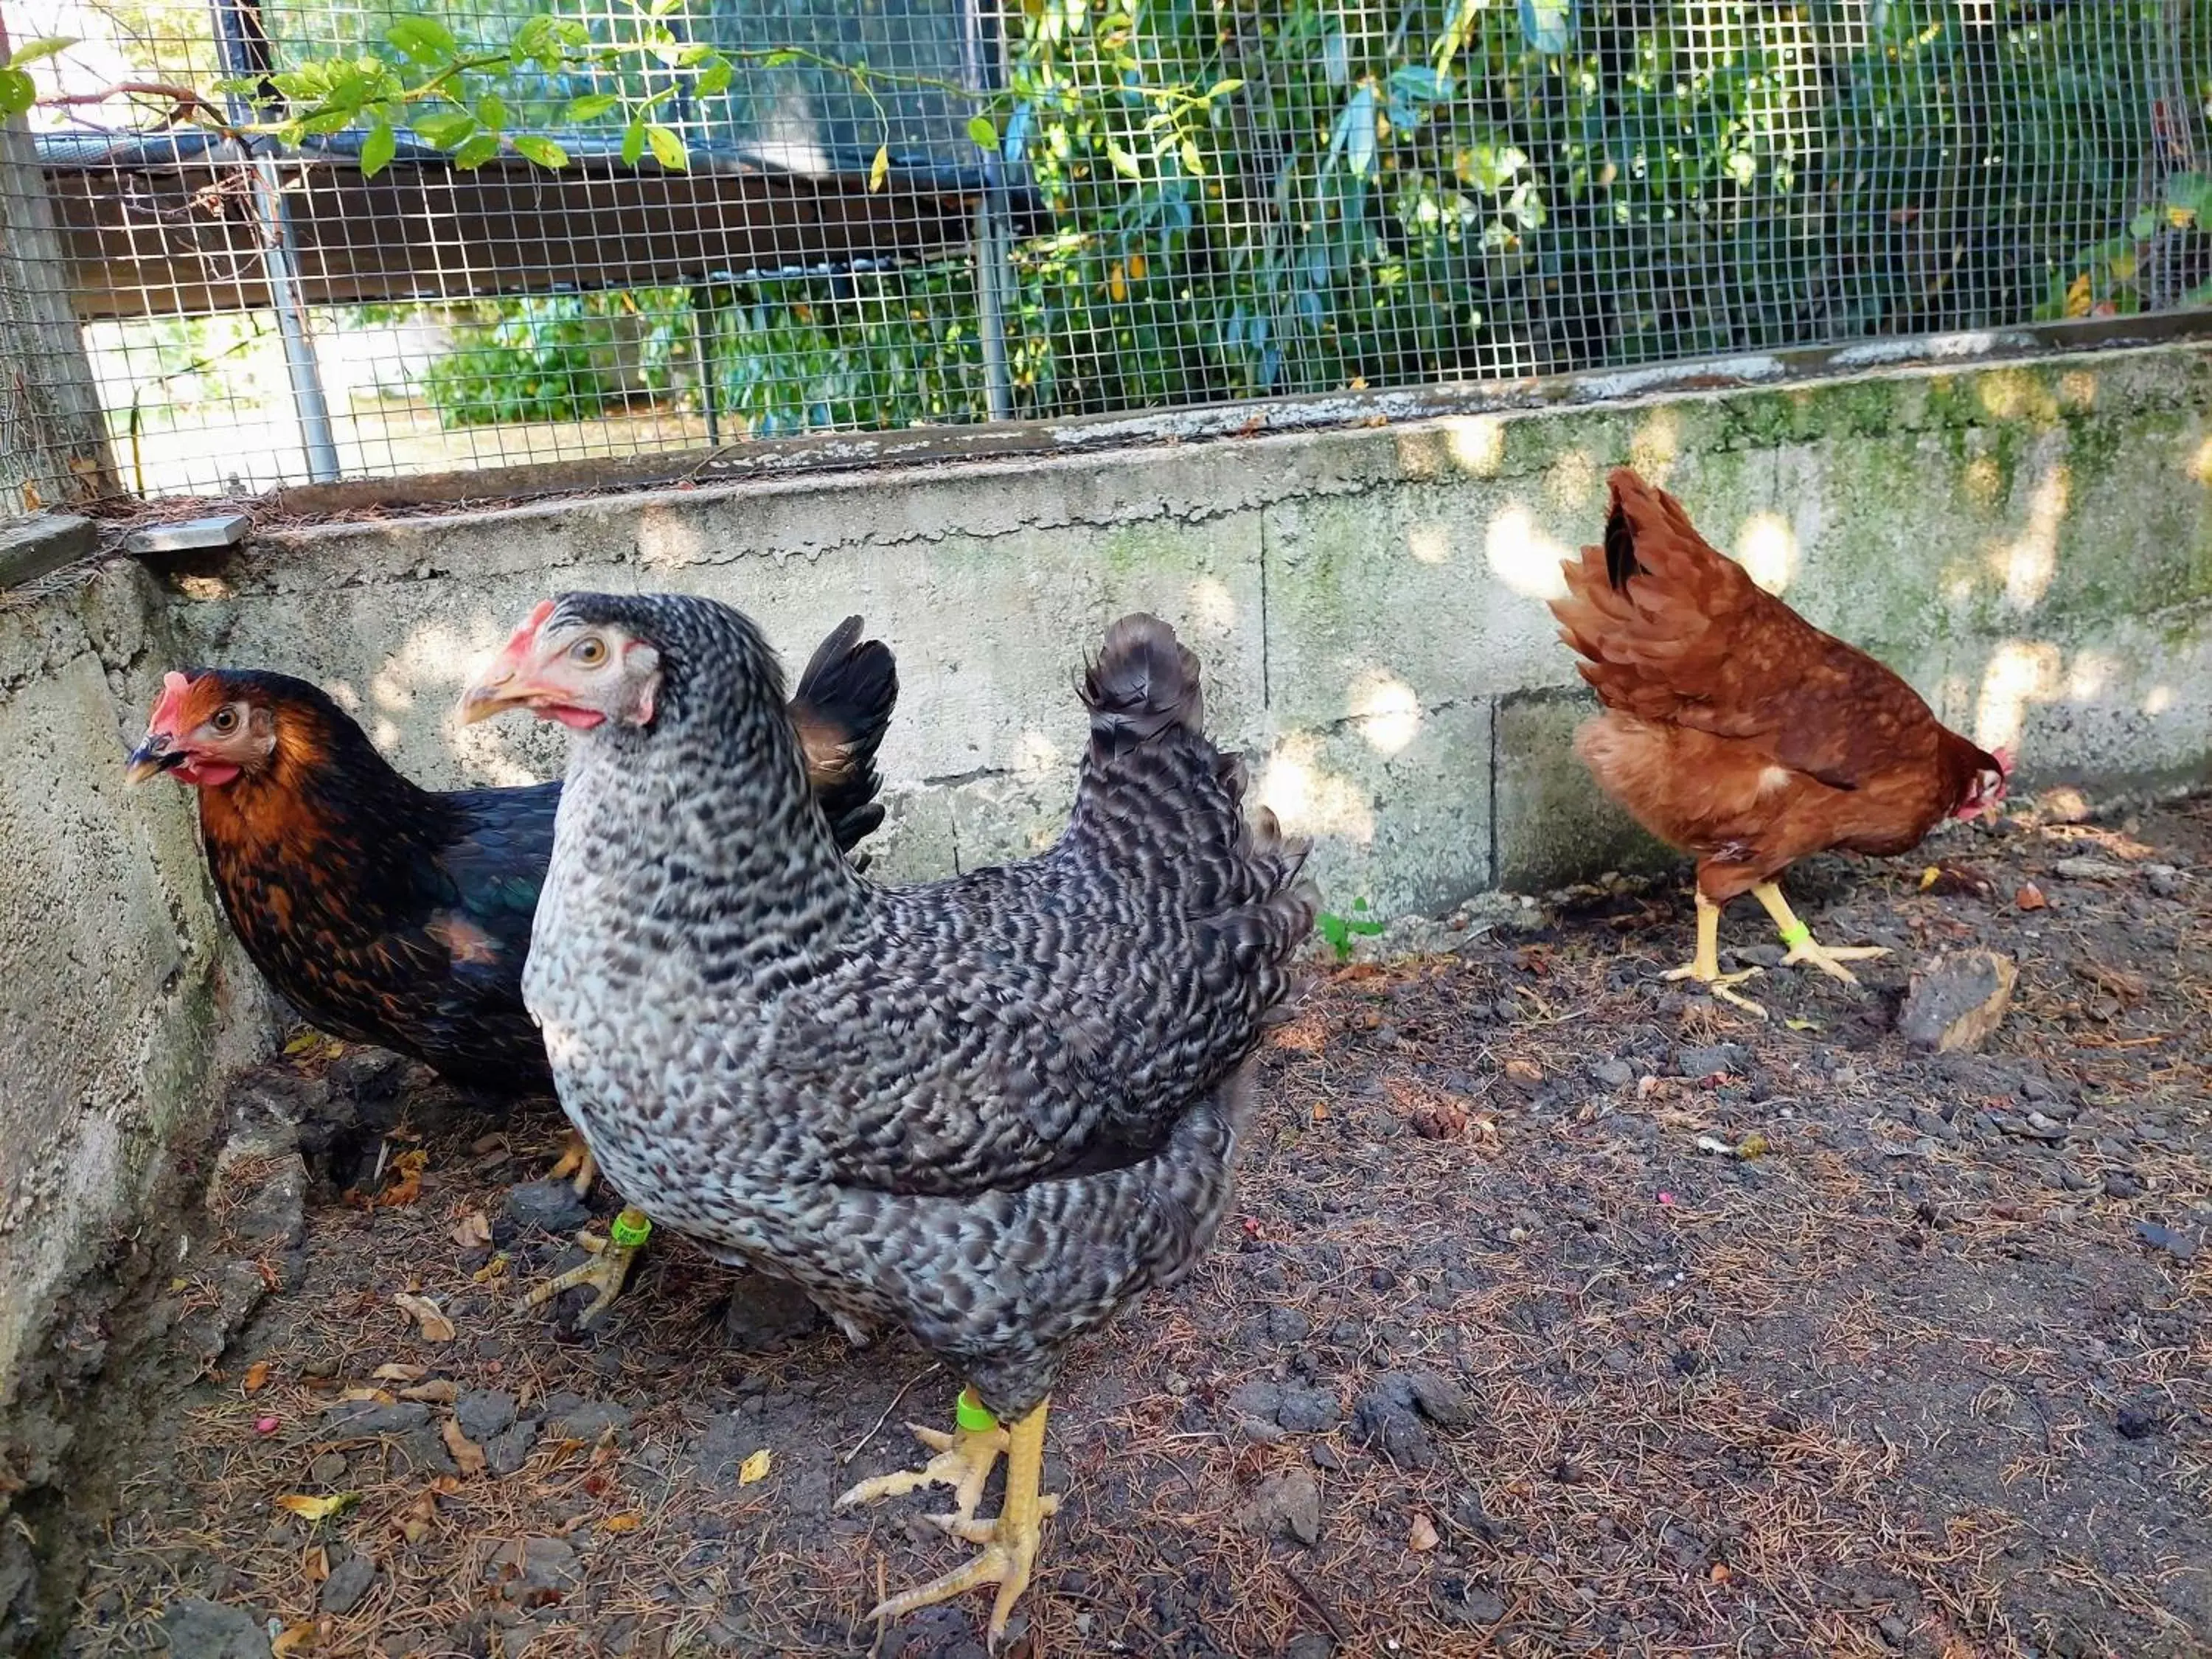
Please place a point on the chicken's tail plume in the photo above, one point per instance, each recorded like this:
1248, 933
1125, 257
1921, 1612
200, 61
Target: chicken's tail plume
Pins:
847, 692
1185, 820
1145, 683
1654, 583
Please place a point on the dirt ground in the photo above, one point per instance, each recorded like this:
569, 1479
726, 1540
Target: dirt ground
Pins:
1562, 1313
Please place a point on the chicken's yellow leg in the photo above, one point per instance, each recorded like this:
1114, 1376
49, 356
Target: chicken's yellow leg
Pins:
576, 1160
964, 1460
1705, 966
607, 1269
1828, 958
1009, 1543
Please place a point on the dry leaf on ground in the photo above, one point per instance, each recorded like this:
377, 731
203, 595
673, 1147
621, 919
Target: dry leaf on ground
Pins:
427, 1317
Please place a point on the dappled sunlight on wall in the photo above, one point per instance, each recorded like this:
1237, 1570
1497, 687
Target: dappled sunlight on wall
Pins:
1309, 800
1523, 556
1386, 710
1212, 609
1766, 547
2018, 672
2027, 564
1477, 443
1430, 543
1657, 442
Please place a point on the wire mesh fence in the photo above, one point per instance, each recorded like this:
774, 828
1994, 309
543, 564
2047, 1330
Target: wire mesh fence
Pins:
1165, 203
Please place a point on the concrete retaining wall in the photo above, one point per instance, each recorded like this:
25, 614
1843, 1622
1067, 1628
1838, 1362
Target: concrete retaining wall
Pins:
2031, 546
115, 1010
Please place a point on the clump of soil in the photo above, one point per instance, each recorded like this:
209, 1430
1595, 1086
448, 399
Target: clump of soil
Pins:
1563, 1312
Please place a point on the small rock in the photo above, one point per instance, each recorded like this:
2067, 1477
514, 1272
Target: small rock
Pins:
1287, 1326
2123, 1183
1612, 1074
1256, 1401
535, 1571
1384, 1419
1894, 1631
276, 1216
348, 1583
364, 1419
1176, 1384
587, 1421
549, 1206
1308, 1644
1463, 1603
2138, 1422
1285, 1506
328, 1470
1443, 1401
2164, 880
1718, 1059
1957, 1000
484, 1413
1308, 1411
367, 1075
196, 1629
2161, 1237
506, 1453
767, 1313
2090, 869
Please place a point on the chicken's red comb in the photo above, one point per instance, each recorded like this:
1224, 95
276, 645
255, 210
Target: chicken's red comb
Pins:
169, 709
531, 624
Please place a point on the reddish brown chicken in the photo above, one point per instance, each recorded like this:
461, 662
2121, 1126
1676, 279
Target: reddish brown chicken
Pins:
1737, 730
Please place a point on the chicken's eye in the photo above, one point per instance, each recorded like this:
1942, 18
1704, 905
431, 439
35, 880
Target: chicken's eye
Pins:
225, 721
589, 652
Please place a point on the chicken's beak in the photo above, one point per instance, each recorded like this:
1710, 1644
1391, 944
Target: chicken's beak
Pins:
506, 682
152, 757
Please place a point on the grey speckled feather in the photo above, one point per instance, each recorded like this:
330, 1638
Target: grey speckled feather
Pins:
992, 1110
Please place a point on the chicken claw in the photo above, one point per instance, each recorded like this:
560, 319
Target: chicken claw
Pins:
1804, 948
1009, 1542
964, 1462
576, 1160
1706, 967
605, 1272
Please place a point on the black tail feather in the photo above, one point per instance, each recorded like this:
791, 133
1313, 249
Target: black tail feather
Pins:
842, 709
1145, 683
1620, 561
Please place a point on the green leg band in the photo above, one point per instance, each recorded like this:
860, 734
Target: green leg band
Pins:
630, 1229
971, 1414
1795, 935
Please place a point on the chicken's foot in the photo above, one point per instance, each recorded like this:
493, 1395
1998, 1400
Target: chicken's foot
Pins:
1803, 947
1010, 1542
964, 1460
607, 1269
576, 1160
1705, 966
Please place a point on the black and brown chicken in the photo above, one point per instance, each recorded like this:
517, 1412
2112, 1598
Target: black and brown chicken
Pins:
992, 1110
389, 914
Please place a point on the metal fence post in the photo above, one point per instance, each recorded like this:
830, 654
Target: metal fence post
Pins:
993, 236
53, 438
245, 53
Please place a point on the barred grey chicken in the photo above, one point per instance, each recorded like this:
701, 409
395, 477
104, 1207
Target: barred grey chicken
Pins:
992, 1110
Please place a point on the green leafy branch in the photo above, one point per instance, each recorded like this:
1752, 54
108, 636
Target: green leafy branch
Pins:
424, 82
